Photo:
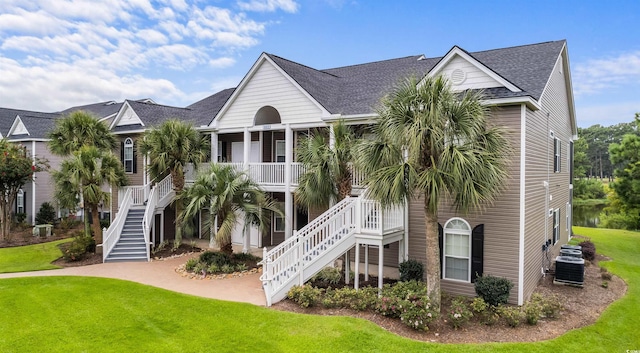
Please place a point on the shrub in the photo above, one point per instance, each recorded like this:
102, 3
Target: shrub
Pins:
214, 257
605, 284
330, 275
200, 268
606, 276
227, 268
479, 306
459, 313
46, 214
588, 250
361, 299
305, 296
549, 305
494, 290
390, 306
79, 247
191, 265
532, 312
105, 223
403, 290
68, 222
511, 314
587, 189
213, 268
240, 267
411, 270
409, 301
490, 317
417, 313
245, 257
20, 217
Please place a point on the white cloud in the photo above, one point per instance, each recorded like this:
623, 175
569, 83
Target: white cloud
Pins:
56, 54
598, 75
220, 63
269, 5
606, 114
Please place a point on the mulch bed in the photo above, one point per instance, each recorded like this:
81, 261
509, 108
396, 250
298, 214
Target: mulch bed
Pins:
582, 307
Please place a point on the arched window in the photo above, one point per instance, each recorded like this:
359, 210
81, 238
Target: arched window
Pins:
128, 155
20, 201
267, 115
456, 255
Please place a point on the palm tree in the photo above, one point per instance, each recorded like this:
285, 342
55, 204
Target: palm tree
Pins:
328, 169
86, 172
433, 143
69, 135
169, 148
80, 129
229, 195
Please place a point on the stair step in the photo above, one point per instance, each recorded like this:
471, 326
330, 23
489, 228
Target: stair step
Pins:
126, 259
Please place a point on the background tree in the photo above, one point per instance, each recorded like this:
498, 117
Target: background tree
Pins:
432, 143
16, 169
169, 148
230, 196
328, 169
581, 163
86, 172
78, 129
626, 155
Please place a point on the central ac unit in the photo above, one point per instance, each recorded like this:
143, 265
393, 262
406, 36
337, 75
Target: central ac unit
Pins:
571, 253
569, 270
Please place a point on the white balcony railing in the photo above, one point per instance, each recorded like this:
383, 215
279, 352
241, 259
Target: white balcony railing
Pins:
112, 235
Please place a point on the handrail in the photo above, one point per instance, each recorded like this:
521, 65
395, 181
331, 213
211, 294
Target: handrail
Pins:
149, 211
165, 187
112, 235
139, 194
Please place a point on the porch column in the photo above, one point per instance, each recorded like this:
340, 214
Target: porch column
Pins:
332, 137
161, 226
246, 239
288, 196
356, 280
366, 262
380, 264
247, 148
214, 147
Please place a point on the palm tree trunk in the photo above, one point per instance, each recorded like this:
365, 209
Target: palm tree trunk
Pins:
178, 186
95, 226
433, 255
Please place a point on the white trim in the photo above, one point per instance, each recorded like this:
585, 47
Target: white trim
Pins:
20, 201
19, 126
468, 233
128, 144
530, 102
33, 185
29, 140
456, 51
523, 160
263, 58
121, 112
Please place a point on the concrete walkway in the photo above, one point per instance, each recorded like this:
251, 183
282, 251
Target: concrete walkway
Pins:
162, 274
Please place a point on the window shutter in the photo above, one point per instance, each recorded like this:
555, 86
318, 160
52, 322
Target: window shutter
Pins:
122, 152
477, 252
15, 204
24, 202
441, 245
135, 158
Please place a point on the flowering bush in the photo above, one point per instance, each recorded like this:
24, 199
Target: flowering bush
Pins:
409, 302
305, 296
459, 313
417, 313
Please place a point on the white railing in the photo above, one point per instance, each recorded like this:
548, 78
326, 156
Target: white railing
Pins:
112, 235
357, 178
297, 169
149, 211
376, 220
164, 187
267, 173
139, 194
288, 259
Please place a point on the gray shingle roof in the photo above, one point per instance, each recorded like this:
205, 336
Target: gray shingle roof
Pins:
38, 125
100, 110
357, 89
153, 114
8, 115
208, 107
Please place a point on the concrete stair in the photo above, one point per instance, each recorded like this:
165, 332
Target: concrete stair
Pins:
131, 246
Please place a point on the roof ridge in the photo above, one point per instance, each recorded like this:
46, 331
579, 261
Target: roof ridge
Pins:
377, 61
157, 105
514, 46
299, 64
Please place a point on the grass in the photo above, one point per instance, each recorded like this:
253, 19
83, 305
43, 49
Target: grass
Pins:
34, 257
74, 314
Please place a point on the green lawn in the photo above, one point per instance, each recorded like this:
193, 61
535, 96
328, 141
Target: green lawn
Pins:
75, 314
30, 257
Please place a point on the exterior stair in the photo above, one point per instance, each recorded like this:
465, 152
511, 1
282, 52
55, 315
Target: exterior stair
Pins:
131, 246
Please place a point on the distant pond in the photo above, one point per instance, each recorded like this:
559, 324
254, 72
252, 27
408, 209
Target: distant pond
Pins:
587, 215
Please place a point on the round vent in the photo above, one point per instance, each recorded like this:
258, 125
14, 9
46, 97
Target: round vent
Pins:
458, 76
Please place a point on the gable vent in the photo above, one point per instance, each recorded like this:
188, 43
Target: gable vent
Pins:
458, 76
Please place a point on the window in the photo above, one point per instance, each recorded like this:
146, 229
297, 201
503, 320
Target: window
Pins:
557, 153
556, 225
128, 155
278, 221
220, 151
20, 201
280, 151
457, 250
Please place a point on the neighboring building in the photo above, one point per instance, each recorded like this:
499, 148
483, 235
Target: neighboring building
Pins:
30, 128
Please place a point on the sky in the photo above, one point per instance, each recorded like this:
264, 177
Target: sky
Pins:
55, 54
